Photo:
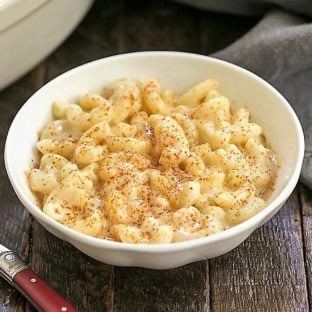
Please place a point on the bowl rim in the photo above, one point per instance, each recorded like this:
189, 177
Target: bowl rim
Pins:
249, 224
12, 11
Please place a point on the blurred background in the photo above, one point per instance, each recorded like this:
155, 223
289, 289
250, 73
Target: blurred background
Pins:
31, 29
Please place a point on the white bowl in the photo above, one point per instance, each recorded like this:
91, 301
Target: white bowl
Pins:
177, 71
31, 29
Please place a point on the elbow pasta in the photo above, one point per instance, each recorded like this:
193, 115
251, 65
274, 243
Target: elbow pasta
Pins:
138, 164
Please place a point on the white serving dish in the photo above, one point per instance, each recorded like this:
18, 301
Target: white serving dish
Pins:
31, 29
177, 71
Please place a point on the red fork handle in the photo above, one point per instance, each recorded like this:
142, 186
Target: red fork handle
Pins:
39, 293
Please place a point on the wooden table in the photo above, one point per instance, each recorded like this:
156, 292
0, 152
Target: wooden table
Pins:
270, 271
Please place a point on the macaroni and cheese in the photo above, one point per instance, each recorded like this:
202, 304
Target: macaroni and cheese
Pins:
138, 164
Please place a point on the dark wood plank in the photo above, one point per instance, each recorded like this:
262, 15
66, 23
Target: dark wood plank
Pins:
168, 26
183, 289
266, 272
15, 221
160, 25
86, 283
100, 34
164, 26
306, 203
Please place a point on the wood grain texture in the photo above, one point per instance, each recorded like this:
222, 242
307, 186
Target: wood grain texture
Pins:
15, 221
266, 272
86, 283
306, 204
182, 289
161, 27
99, 35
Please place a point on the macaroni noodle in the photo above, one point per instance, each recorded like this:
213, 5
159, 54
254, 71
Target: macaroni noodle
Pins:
138, 164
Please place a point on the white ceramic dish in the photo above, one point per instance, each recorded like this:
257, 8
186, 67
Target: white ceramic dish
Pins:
177, 71
31, 29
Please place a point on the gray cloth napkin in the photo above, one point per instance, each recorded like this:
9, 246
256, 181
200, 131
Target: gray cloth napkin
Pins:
279, 49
